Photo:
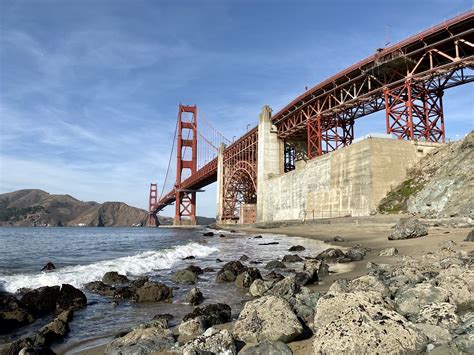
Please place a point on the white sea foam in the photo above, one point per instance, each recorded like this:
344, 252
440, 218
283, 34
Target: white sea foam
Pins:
130, 265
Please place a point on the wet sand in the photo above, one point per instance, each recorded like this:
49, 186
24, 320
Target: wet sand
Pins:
370, 235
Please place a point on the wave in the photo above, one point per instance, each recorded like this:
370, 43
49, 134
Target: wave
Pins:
79, 275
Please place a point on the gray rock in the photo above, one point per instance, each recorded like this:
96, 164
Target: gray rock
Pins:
244, 258
213, 341
304, 303
440, 314
285, 288
185, 277
194, 296
459, 292
362, 284
411, 300
361, 323
275, 264
192, 327
389, 252
465, 343
291, 258
224, 276
245, 279
100, 288
331, 254
153, 292
267, 318
211, 314
316, 270
148, 338
229, 271
436, 335
354, 254
114, 278
408, 228
55, 330
267, 348
259, 287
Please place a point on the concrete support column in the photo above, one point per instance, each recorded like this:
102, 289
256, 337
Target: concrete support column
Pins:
220, 183
270, 160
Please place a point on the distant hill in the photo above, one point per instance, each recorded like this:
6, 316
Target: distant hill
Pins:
34, 207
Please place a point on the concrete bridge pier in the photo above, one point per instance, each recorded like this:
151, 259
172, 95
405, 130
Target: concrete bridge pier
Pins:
270, 161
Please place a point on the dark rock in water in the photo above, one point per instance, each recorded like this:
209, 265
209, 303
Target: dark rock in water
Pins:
315, 269
208, 234
297, 248
100, 288
255, 262
275, 264
267, 347
338, 239
233, 231
41, 300
124, 293
208, 269
211, 314
222, 236
71, 298
470, 236
258, 237
196, 269
139, 282
354, 254
49, 266
185, 277
191, 257
114, 278
55, 330
291, 258
235, 267
244, 258
224, 276
153, 292
269, 243
219, 260
408, 228
194, 296
13, 314
330, 254
245, 279
275, 276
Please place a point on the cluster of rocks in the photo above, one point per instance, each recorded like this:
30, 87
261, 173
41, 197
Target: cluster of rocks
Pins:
57, 301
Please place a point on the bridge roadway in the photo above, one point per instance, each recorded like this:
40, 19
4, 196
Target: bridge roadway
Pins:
440, 57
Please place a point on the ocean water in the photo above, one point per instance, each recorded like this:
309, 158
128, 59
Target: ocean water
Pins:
82, 255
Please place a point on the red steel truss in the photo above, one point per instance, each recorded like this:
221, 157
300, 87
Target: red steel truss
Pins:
240, 175
187, 138
407, 80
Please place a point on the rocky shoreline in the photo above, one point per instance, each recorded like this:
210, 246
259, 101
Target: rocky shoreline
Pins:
419, 303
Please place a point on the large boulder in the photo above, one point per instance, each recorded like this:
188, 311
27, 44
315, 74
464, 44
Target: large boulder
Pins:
285, 288
230, 270
363, 283
145, 339
192, 327
460, 294
245, 279
13, 314
275, 264
267, 347
316, 270
70, 298
100, 288
259, 287
211, 314
194, 296
185, 276
362, 323
304, 303
267, 318
408, 228
213, 341
153, 292
436, 335
292, 258
55, 330
114, 278
331, 254
41, 300
410, 300
297, 248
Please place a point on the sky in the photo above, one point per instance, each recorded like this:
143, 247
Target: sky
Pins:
89, 89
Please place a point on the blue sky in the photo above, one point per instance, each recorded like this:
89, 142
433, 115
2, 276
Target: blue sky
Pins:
89, 89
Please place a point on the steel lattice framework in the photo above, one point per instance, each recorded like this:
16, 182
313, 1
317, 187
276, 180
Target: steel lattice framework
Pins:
406, 80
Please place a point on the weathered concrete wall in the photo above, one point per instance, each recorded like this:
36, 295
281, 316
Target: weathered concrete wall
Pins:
349, 181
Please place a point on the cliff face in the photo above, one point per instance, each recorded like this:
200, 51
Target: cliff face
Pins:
37, 208
440, 185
